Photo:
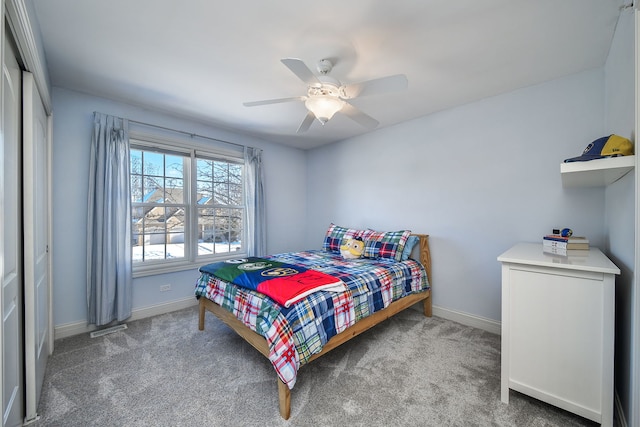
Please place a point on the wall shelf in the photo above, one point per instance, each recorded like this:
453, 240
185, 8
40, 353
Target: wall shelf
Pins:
596, 173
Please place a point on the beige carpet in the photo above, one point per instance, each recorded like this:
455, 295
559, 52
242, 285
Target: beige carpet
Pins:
162, 371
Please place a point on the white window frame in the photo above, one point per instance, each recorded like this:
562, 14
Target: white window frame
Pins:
192, 151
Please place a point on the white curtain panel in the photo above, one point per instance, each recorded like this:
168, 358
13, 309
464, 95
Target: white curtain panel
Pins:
109, 278
254, 201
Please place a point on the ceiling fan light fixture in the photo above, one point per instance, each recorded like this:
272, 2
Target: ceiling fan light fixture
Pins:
324, 106
326, 95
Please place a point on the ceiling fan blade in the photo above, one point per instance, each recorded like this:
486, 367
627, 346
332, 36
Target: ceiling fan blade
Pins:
393, 83
273, 101
300, 69
358, 116
306, 123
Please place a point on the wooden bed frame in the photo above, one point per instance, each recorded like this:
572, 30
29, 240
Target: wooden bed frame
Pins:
260, 343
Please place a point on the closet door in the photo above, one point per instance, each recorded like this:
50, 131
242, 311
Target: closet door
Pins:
12, 356
36, 246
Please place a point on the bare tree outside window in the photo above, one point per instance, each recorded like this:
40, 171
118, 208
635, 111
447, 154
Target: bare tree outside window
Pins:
219, 210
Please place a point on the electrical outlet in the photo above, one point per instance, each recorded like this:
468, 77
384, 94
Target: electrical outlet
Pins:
164, 288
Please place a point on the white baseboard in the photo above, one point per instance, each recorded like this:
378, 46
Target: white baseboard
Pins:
76, 328
483, 323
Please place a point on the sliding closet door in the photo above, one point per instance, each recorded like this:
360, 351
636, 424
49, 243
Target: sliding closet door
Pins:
12, 356
36, 247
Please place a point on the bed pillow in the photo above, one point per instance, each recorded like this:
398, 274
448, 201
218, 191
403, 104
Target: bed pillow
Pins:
387, 244
411, 242
336, 236
352, 248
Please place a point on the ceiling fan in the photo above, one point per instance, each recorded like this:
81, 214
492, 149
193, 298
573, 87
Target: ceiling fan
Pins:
327, 96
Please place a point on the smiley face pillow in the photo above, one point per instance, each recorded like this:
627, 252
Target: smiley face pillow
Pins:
352, 248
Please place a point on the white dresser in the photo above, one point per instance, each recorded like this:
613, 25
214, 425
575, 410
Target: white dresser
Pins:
558, 329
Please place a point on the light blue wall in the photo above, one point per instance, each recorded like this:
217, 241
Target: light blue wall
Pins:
477, 179
285, 169
620, 199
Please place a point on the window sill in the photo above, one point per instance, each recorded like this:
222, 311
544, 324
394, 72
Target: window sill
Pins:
165, 268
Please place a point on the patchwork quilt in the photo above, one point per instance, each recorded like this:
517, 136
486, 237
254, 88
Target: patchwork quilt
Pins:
296, 333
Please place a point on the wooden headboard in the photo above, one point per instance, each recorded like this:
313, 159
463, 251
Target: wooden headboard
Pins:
423, 253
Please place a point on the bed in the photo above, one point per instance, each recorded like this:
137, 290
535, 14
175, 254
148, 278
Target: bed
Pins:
393, 273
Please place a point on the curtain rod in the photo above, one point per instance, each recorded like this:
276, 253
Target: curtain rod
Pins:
191, 134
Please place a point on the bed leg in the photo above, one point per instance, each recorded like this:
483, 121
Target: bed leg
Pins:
201, 315
284, 399
427, 306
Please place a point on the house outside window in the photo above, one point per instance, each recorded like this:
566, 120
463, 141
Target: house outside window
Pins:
187, 207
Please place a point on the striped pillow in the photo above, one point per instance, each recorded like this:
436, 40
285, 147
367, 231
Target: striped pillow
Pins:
389, 244
336, 235
377, 244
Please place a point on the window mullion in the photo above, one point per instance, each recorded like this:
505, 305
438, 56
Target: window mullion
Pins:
190, 179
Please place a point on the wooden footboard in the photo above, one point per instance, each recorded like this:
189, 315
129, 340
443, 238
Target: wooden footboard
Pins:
260, 343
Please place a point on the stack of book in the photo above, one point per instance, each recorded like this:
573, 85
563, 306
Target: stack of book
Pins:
560, 245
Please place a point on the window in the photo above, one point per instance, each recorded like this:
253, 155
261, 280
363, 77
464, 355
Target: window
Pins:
219, 206
187, 207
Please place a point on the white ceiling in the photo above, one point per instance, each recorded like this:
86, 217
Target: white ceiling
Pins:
202, 59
